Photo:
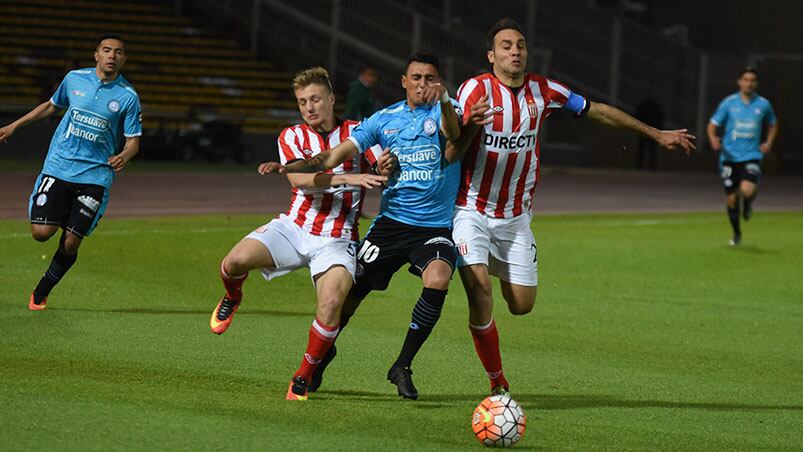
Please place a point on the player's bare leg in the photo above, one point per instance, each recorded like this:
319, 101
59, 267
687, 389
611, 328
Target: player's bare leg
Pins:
520, 299
436, 277
748, 191
63, 260
244, 257
479, 291
732, 202
332, 286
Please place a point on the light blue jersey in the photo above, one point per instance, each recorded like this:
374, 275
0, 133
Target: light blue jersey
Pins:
423, 192
90, 132
742, 125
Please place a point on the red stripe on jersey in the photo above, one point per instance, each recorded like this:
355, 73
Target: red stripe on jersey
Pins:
519, 196
499, 117
301, 216
345, 209
323, 212
499, 212
514, 100
487, 180
467, 167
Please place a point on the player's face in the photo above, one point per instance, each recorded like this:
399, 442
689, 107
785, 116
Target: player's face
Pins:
316, 105
110, 56
748, 83
509, 54
418, 77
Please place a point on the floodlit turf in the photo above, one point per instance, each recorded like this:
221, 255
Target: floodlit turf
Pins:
649, 333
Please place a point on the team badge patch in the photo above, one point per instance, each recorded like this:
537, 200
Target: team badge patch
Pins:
533, 109
462, 248
429, 126
113, 105
41, 200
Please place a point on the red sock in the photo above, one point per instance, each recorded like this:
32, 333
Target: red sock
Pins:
486, 342
233, 284
321, 337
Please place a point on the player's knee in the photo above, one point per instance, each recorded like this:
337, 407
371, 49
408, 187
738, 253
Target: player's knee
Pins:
71, 244
437, 275
521, 303
521, 309
235, 264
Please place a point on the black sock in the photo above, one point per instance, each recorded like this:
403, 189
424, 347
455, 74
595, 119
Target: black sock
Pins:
426, 313
733, 215
59, 266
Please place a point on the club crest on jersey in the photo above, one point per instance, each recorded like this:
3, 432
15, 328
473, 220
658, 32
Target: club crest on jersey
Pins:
113, 106
41, 200
429, 126
533, 109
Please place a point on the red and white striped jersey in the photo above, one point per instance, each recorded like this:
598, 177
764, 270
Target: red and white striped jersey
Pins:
331, 211
501, 166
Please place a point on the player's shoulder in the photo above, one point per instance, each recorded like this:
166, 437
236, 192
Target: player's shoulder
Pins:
390, 111
126, 86
731, 98
84, 74
294, 129
763, 100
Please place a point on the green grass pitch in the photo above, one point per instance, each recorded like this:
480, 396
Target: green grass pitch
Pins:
649, 333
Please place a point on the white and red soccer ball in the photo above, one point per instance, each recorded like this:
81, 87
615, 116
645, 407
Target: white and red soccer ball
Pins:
498, 421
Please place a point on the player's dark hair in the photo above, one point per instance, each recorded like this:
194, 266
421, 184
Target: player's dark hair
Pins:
749, 69
502, 24
111, 36
423, 58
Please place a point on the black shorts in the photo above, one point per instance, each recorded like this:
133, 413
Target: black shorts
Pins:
733, 173
390, 244
75, 207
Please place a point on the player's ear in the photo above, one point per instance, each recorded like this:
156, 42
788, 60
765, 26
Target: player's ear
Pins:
404, 81
491, 56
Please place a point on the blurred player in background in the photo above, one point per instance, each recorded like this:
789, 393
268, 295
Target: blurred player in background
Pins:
414, 222
72, 190
319, 230
503, 112
742, 117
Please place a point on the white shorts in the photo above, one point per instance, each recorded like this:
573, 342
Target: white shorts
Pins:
505, 245
293, 248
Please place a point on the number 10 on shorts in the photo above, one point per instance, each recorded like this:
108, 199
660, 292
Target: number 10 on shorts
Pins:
368, 252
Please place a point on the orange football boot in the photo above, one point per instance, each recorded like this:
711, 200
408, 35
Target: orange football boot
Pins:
223, 314
33, 306
297, 389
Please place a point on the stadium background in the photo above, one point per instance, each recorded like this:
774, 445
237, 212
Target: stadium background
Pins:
224, 66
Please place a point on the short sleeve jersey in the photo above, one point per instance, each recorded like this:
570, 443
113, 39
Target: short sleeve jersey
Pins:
501, 166
742, 123
423, 192
98, 115
331, 211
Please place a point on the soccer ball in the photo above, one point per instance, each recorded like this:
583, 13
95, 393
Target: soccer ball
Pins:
498, 421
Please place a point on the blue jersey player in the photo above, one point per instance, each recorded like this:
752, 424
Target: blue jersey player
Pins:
414, 222
72, 190
742, 118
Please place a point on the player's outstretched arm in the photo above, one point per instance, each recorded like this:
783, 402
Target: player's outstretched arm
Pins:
44, 110
667, 139
478, 117
130, 149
